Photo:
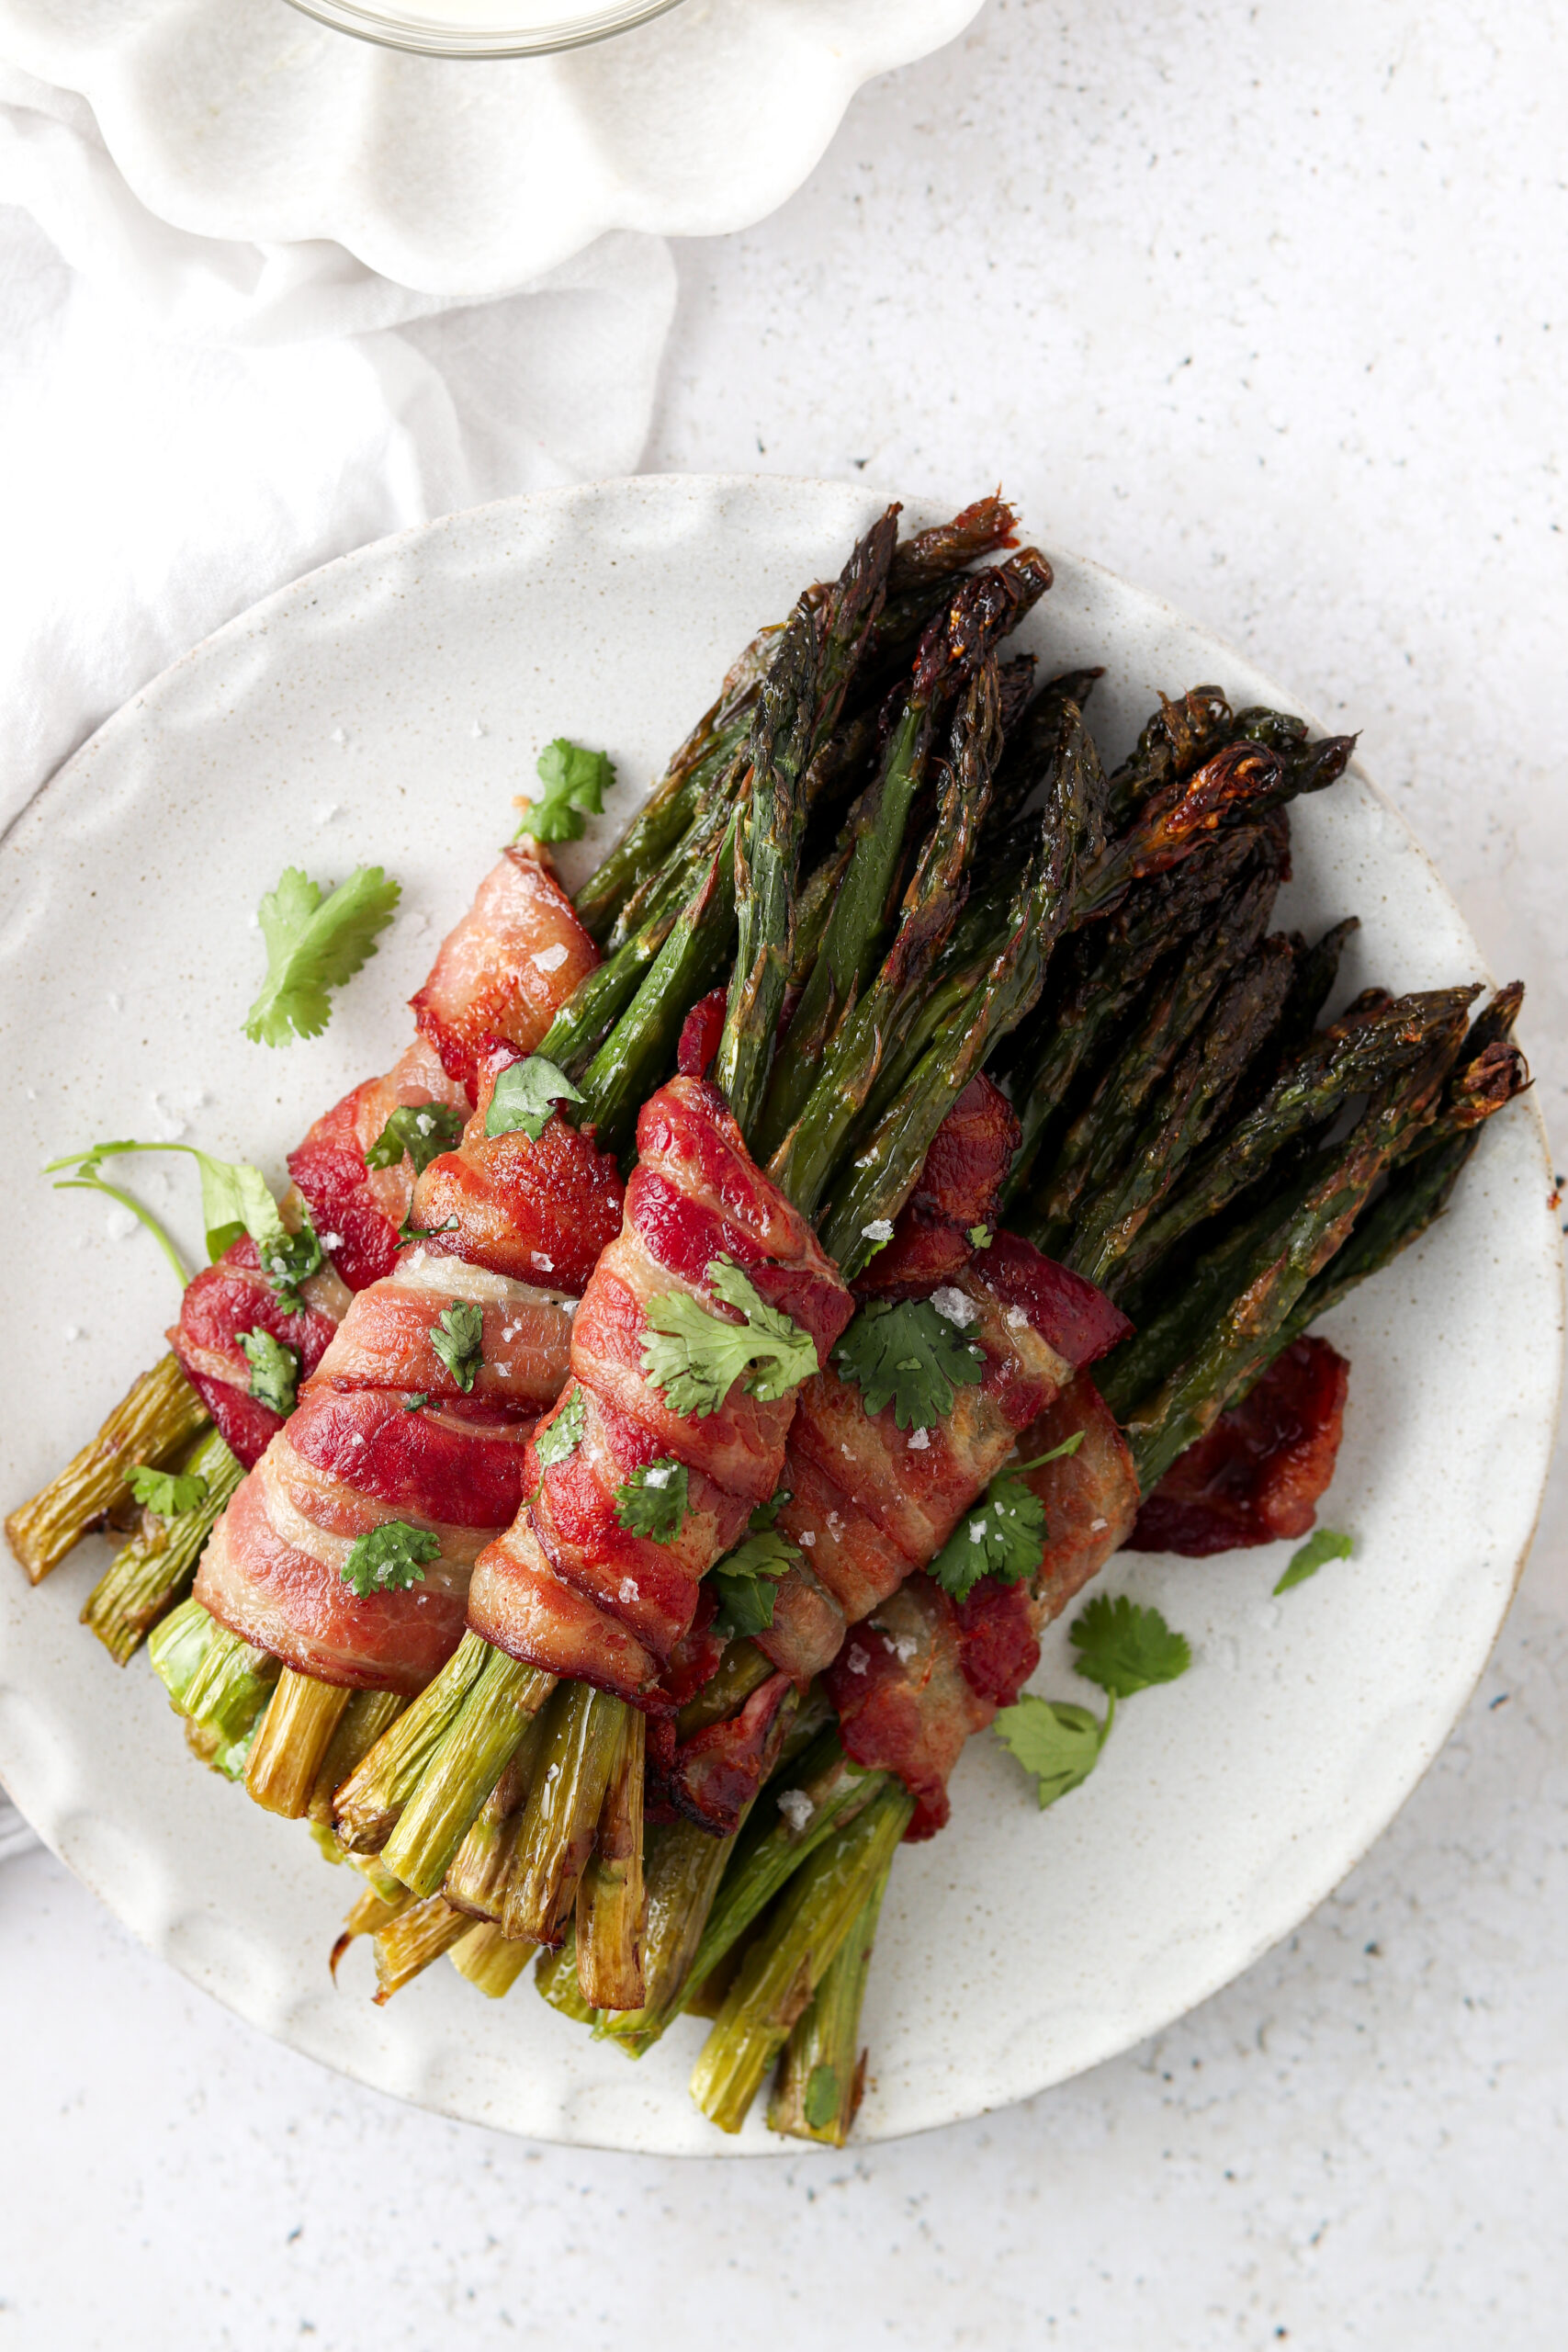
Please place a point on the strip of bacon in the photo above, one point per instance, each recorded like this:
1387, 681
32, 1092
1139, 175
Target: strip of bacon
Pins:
955, 1198
1256, 1476
521, 922
567, 1589
870, 1502
507, 969
385, 1430
922, 1674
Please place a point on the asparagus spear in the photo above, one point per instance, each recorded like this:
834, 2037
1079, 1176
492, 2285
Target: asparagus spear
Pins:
150, 1573
876, 1187
1187, 1111
1335, 1064
367, 1806
1115, 962
293, 1738
490, 1723
562, 1813
1095, 1147
822, 2073
1176, 740
368, 1714
610, 1894
491, 1961
1237, 1346
408, 1943
799, 707
985, 606
155, 1420
783, 1970
214, 1679
848, 1069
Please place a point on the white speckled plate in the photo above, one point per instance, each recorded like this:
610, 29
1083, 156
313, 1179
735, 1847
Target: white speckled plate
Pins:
388, 707
242, 119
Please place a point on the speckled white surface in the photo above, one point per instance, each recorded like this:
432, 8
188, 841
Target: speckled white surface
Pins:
1347, 222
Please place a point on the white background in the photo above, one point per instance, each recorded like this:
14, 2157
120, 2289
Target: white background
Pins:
1263, 307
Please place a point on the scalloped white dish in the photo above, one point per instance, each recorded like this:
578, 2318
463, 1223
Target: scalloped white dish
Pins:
387, 708
243, 119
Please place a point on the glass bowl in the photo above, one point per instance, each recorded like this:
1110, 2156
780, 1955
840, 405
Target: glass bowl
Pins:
484, 27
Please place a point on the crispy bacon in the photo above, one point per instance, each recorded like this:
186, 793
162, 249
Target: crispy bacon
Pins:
955, 1196
225, 1301
537, 1211
566, 1587
699, 1035
357, 1210
507, 968
384, 1429
870, 1503
1257, 1476
922, 1674
714, 1774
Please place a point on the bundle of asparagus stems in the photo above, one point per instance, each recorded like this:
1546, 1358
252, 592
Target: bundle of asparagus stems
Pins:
642, 1755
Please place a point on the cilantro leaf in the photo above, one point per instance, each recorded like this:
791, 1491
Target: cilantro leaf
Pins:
457, 1338
1126, 1648
574, 781
654, 1500
275, 1370
314, 943
235, 1200
694, 1358
1003, 1537
980, 1237
169, 1493
1057, 1742
564, 1435
423, 1130
744, 1579
1325, 1544
408, 1231
415, 1401
820, 2105
911, 1354
526, 1094
390, 1558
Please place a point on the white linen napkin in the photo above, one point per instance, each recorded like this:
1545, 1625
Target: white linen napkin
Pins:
187, 423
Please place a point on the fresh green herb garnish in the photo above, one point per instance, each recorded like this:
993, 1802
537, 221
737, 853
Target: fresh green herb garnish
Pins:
390, 1558
911, 1354
1004, 1534
408, 1231
564, 1435
235, 1200
654, 1500
314, 943
526, 1095
980, 1237
1121, 1646
820, 2104
415, 1401
423, 1130
1057, 1742
694, 1358
457, 1338
1126, 1649
275, 1370
746, 1579
1324, 1545
575, 781
169, 1493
